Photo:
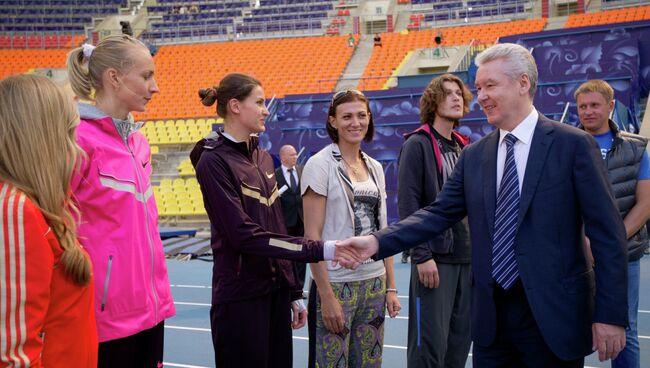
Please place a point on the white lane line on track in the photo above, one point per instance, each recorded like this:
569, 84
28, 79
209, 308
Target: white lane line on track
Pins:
295, 337
385, 346
168, 364
387, 317
187, 328
306, 292
195, 304
191, 286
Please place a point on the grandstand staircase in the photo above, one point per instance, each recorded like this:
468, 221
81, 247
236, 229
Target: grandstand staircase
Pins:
556, 23
165, 162
357, 64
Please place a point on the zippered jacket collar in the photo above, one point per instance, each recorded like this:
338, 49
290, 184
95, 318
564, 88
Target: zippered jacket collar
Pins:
213, 139
427, 130
245, 149
124, 127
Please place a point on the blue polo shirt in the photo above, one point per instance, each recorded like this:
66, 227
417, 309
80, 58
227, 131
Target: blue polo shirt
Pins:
605, 142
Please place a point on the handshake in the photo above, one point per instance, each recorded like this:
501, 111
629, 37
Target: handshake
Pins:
352, 252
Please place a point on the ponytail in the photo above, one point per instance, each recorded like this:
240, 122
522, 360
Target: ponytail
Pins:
208, 96
79, 75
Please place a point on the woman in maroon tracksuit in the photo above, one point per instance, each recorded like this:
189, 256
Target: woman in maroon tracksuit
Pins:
254, 286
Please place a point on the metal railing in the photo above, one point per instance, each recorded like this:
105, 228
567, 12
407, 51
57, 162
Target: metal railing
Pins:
361, 85
234, 31
310, 26
613, 4
476, 13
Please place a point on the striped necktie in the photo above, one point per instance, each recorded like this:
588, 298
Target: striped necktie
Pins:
504, 264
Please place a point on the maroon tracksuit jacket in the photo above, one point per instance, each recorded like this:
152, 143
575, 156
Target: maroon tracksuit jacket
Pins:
251, 254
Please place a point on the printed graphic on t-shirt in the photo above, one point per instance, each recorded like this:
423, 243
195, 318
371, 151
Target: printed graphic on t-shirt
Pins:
449, 160
450, 151
605, 141
366, 199
603, 152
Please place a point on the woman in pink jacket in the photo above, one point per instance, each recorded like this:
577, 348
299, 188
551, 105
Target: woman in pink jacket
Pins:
112, 188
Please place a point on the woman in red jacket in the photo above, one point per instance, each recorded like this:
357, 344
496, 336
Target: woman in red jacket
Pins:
46, 293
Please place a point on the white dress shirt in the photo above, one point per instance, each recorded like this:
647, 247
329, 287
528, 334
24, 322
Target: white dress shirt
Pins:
524, 133
287, 178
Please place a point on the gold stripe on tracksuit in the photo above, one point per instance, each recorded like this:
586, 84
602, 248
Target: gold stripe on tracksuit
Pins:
256, 195
285, 245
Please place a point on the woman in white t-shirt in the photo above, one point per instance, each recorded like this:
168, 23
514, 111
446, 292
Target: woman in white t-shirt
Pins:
344, 195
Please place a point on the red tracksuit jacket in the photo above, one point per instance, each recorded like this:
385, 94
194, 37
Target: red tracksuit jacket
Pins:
46, 319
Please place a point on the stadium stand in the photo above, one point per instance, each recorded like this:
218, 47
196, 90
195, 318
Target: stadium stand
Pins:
450, 11
185, 168
220, 18
53, 15
180, 19
285, 66
396, 45
179, 197
40, 41
608, 17
21, 61
177, 132
274, 10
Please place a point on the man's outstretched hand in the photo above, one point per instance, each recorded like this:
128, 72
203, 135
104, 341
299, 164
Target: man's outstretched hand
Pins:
350, 253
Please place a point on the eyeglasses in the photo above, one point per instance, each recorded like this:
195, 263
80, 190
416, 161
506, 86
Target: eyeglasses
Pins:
345, 92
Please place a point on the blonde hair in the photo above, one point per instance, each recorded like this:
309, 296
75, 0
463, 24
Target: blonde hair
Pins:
596, 85
520, 60
38, 120
85, 73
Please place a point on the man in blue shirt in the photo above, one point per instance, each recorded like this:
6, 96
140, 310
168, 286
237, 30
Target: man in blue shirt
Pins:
628, 167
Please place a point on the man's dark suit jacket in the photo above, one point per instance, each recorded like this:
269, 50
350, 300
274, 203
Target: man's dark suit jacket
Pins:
565, 187
291, 200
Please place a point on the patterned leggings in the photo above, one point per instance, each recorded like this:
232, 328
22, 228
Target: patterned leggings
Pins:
360, 342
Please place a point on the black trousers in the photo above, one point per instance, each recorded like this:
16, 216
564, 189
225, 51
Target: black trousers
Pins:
439, 319
142, 350
253, 332
518, 342
301, 268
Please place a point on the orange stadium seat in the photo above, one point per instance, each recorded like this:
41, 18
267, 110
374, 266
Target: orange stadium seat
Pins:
608, 17
396, 45
21, 61
284, 66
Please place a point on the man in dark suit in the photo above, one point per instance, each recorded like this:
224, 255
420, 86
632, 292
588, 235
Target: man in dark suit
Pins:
288, 178
530, 189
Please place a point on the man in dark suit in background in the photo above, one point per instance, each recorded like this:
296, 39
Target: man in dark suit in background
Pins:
288, 178
531, 189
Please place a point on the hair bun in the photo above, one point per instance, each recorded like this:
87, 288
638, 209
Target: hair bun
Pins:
208, 96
